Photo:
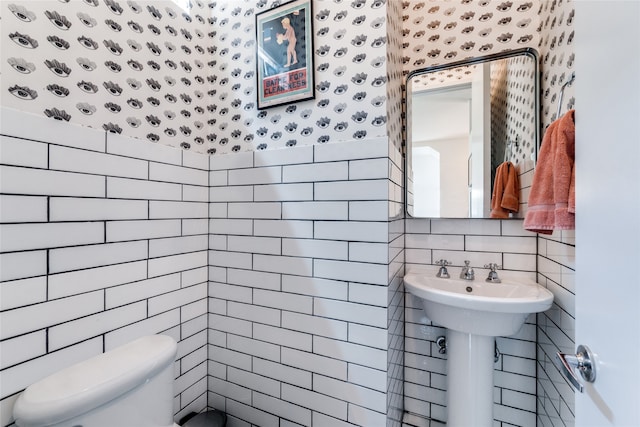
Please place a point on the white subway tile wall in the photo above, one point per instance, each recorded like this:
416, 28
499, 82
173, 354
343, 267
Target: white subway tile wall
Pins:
101, 243
556, 328
481, 242
300, 313
105, 281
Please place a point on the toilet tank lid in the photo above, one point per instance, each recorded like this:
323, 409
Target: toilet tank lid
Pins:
93, 382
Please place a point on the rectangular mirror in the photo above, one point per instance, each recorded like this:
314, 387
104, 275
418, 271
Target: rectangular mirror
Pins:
464, 121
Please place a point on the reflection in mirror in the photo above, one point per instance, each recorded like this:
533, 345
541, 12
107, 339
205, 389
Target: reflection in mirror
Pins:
466, 123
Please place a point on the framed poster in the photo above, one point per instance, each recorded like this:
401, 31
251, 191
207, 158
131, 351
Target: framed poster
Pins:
285, 54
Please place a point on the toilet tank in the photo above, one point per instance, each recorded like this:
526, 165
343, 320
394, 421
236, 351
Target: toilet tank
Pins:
131, 385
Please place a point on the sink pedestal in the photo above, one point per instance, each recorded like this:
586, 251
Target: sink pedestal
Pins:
469, 379
474, 313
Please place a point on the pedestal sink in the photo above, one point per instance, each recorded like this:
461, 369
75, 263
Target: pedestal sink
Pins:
475, 312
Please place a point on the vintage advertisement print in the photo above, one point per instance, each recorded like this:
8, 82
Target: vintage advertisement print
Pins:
285, 54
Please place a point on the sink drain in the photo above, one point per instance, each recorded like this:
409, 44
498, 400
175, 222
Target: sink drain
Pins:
469, 289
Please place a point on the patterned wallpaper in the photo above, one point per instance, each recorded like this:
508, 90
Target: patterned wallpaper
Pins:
557, 58
350, 45
442, 31
137, 67
152, 70
186, 77
395, 95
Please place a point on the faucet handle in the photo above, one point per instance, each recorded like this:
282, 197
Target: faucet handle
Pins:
492, 266
493, 274
442, 272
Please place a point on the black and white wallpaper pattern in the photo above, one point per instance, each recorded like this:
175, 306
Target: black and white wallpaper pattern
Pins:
557, 58
182, 72
139, 68
442, 31
395, 94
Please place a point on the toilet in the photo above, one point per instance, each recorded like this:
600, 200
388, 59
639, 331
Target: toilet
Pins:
130, 386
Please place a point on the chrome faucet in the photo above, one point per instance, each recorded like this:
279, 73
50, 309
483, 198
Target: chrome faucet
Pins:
442, 272
467, 272
493, 274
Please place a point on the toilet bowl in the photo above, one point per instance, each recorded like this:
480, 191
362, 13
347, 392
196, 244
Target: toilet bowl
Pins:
130, 386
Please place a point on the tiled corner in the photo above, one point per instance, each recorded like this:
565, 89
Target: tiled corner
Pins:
300, 309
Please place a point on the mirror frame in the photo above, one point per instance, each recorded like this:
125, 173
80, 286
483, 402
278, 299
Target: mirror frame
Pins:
528, 52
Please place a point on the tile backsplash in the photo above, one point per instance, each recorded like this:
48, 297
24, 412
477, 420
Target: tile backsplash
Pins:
480, 241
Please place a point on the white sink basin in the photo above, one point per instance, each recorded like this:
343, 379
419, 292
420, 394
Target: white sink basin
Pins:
478, 307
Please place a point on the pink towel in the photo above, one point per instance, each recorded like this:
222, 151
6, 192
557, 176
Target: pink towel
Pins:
552, 198
506, 191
